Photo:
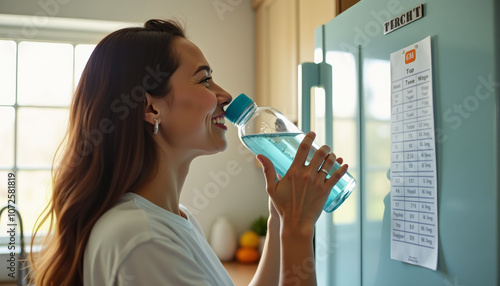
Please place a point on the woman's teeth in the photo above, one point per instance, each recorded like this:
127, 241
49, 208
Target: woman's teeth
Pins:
219, 120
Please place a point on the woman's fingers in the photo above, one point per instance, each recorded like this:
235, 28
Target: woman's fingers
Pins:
269, 172
340, 160
319, 157
302, 192
303, 150
336, 176
327, 166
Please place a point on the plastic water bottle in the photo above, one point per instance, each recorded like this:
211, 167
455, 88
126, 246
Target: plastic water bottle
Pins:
264, 130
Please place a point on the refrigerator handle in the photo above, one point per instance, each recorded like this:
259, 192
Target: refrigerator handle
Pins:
318, 75
308, 78
315, 75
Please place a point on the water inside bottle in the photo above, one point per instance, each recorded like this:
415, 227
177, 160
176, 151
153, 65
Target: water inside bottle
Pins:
281, 148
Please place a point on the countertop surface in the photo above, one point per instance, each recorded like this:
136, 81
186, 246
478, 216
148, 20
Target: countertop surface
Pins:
240, 273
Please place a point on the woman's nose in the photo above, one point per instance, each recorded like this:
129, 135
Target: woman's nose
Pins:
223, 97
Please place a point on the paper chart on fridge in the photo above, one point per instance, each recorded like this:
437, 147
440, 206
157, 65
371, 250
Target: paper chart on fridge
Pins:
414, 209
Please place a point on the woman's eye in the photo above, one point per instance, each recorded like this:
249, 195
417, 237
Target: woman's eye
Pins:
206, 80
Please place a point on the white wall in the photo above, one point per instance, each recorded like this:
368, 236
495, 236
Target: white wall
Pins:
227, 184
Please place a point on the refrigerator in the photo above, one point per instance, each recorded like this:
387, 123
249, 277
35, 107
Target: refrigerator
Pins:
347, 97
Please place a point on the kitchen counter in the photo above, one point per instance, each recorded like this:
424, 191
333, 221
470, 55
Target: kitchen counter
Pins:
241, 274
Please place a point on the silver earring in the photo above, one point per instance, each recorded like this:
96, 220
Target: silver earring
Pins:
155, 129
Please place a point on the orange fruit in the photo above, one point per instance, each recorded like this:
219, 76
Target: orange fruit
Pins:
249, 239
247, 255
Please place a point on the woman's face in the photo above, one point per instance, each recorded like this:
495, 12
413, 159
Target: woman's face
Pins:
194, 118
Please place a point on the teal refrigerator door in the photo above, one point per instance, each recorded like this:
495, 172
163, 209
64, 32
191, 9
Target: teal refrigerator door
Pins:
353, 243
338, 234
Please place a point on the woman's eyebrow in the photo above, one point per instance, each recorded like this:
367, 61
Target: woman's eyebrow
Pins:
203, 67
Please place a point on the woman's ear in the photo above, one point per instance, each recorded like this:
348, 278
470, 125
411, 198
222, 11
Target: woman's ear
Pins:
151, 110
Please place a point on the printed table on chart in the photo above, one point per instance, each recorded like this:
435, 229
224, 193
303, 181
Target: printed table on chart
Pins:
412, 161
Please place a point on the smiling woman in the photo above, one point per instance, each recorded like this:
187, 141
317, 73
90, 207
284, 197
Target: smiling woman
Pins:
197, 100
79, 23
114, 213
88, 182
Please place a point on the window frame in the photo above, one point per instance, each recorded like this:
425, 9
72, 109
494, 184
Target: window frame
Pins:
33, 28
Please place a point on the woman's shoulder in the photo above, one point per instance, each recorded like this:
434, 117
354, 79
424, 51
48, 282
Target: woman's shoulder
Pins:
124, 223
114, 236
134, 220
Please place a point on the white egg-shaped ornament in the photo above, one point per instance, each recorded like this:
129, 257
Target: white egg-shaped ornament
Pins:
223, 239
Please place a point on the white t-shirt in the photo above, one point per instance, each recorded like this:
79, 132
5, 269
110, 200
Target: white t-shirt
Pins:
137, 243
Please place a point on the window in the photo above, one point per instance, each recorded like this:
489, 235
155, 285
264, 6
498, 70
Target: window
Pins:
38, 80
41, 60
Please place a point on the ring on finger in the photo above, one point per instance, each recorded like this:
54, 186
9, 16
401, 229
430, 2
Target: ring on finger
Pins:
324, 171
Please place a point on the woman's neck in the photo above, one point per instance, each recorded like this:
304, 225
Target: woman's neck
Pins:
164, 188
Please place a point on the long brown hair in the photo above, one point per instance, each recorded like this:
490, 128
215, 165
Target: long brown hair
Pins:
110, 149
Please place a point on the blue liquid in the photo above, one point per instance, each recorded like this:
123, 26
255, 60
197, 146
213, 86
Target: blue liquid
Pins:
281, 148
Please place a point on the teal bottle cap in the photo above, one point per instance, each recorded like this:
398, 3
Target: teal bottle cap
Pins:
236, 108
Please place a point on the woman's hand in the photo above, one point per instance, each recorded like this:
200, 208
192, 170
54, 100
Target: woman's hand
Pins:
299, 197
